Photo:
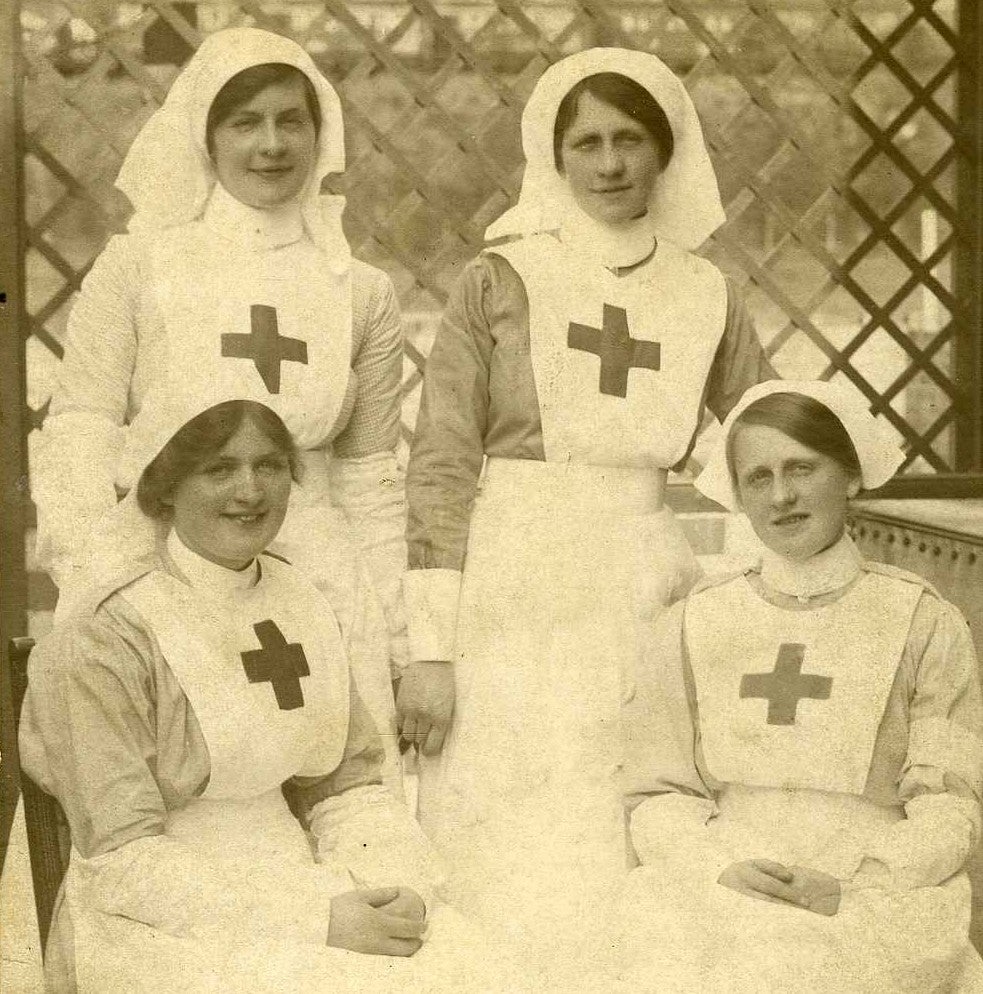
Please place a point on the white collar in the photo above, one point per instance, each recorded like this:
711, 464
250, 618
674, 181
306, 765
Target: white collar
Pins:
613, 246
257, 229
826, 571
204, 575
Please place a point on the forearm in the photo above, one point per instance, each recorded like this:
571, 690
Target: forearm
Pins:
167, 885
931, 844
375, 838
369, 490
73, 486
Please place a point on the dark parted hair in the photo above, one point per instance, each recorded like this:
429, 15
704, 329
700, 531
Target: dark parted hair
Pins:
624, 94
202, 437
246, 84
806, 421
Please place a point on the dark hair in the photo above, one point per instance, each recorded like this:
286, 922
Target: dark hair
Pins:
806, 421
624, 94
201, 438
246, 84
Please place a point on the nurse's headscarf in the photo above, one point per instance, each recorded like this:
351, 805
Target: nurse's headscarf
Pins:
877, 451
685, 207
168, 174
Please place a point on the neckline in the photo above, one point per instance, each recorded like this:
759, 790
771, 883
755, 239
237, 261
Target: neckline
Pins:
623, 247
204, 575
254, 228
827, 572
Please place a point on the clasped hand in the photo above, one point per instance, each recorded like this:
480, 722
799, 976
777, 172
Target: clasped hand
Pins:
386, 921
768, 880
425, 705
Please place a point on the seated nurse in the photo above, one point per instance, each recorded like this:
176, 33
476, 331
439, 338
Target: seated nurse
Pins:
165, 715
804, 757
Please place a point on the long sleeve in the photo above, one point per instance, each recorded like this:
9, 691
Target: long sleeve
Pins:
445, 462
671, 805
90, 735
365, 481
74, 473
941, 781
740, 361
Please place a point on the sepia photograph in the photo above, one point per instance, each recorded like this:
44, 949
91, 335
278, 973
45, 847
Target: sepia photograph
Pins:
491, 496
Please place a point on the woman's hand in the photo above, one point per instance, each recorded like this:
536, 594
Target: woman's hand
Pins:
380, 922
425, 704
767, 880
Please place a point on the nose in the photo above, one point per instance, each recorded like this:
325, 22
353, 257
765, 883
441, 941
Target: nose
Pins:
248, 487
782, 491
610, 161
271, 138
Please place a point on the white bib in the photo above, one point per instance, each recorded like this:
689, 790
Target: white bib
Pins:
264, 669
795, 698
620, 363
277, 322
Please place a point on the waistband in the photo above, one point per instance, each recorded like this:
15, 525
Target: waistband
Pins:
623, 489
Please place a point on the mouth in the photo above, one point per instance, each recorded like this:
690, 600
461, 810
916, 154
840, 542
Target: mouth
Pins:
609, 190
790, 520
251, 520
272, 172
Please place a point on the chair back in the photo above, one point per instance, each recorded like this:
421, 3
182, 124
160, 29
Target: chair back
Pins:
48, 838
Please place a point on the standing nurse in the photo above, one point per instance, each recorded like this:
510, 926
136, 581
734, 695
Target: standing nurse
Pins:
579, 358
235, 265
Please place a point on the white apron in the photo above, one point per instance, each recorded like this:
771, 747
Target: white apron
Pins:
790, 703
242, 323
566, 559
258, 733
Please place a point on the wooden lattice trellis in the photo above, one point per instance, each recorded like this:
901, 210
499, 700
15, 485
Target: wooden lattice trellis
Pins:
842, 132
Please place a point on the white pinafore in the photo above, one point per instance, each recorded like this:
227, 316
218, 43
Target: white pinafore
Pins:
789, 706
259, 732
566, 558
265, 325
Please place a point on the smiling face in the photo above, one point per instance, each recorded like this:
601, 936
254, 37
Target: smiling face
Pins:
264, 150
795, 498
610, 160
231, 505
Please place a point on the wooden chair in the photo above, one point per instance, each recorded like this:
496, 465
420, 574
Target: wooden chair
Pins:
48, 840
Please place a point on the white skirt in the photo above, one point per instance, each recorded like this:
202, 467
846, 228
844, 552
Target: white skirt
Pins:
681, 931
564, 563
116, 954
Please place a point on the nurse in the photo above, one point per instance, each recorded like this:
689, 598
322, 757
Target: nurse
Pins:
235, 262
579, 358
805, 757
194, 716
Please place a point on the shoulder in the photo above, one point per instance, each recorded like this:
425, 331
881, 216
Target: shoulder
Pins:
368, 279
709, 586
104, 634
902, 577
122, 260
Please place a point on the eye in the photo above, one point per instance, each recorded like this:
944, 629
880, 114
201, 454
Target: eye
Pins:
272, 465
757, 478
802, 469
587, 144
629, 140
217, 471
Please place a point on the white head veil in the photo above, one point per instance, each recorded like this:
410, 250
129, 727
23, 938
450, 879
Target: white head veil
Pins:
168, 175
685, 207
876, 449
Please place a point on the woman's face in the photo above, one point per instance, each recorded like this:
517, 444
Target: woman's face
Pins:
795, 498
264, 150
232, 505
610, 161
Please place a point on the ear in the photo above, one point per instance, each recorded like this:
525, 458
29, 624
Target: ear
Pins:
853, 487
